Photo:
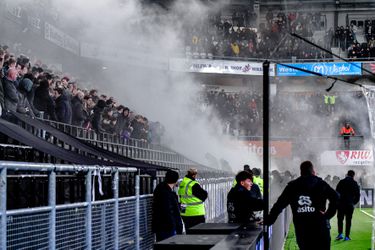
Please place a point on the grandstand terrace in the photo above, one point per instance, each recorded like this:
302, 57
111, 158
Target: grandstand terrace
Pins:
94, 112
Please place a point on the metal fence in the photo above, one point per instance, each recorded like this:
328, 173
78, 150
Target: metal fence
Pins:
115, 223
132, 148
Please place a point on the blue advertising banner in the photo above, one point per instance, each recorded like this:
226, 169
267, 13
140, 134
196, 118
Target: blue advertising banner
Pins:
328, 69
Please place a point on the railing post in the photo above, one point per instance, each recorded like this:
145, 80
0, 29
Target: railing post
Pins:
137, 183
52, 204
88, 218
3, 208
116, 213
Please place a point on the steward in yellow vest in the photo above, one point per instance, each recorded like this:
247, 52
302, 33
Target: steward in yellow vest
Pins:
257, 179
192, 197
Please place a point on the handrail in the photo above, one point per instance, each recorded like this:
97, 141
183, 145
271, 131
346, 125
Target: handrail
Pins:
43, 167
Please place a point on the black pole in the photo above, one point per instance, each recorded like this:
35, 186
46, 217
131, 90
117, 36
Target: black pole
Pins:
266, 139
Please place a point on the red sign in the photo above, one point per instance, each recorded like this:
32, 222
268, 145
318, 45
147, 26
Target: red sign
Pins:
347, 158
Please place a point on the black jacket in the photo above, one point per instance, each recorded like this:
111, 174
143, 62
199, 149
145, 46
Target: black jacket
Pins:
307, 196
10, 95
241, 204
348, 190
78, 115
63, 109
165, 210
97, 119
44, 102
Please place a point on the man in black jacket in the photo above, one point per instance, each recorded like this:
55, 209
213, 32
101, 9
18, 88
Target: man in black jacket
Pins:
241, 202
307, 196
166, 219
348, 190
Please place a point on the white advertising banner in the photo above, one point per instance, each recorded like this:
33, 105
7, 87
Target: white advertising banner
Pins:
218, 67
347, 158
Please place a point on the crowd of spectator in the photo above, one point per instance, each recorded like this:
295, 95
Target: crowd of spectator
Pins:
240, 39
345, 39
37, 91
365, 50
241, 112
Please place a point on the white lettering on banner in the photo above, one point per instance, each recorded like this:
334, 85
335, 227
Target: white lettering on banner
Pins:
347, 158
218, 67
259, 149
367, 197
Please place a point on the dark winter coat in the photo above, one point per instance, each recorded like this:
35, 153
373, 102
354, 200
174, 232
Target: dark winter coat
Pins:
307, 196
348, 190
44, 102
23, 105
78, 114
241, 204
1, 94
165, 210
97, 119
10, 95
63, 109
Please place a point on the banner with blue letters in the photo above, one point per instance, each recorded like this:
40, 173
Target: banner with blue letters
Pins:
327, 69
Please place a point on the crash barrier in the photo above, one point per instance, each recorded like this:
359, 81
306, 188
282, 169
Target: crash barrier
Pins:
102, 218
131, 148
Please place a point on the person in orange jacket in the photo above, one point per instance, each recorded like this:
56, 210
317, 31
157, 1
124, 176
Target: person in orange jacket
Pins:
347, 131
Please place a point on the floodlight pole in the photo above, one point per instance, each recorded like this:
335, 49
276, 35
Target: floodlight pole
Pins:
266, 139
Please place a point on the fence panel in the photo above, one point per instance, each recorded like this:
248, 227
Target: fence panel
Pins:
70, 228
102, 226
28, 231
145, 221
127, 223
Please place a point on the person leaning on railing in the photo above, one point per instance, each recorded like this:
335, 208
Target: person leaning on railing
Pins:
347, 131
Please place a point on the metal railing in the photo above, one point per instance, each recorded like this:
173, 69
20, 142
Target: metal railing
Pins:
132, 148
114, 223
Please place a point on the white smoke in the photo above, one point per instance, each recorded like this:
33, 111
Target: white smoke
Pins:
155, 34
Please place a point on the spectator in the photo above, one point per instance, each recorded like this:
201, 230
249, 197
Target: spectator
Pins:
63, 107
348, 190
241, 203
43, 100
23, 105
88, 106
94, 95
97, 116
10, 90
166, 219
78, 114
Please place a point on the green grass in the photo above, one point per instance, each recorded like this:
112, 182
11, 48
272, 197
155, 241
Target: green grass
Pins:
360, 233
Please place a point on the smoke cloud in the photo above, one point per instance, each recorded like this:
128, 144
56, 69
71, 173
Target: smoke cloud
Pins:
142, 82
